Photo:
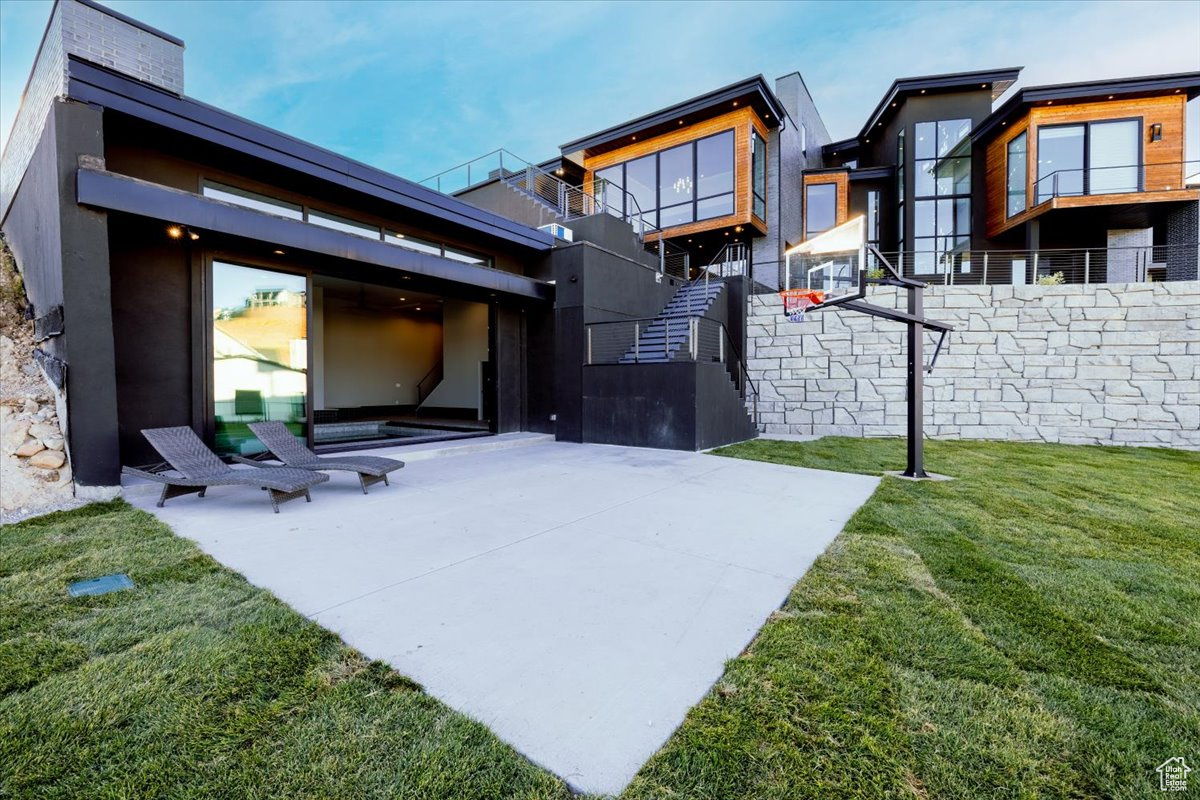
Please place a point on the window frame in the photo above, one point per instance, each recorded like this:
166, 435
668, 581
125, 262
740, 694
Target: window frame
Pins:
1008, 193
298, 209
654, 215
1085, 182
755, 197
808, 187
949, 201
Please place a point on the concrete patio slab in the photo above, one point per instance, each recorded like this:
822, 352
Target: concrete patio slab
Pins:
577, 599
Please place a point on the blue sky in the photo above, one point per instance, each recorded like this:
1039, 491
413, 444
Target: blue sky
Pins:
415, 88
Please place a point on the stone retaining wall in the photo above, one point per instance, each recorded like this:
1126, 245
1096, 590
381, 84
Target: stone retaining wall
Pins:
1081, 364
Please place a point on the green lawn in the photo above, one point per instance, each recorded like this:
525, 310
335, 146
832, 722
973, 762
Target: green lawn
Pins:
198, 685
1031, 629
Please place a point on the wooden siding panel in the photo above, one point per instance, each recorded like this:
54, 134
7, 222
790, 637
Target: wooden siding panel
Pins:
740, 122
842, 179
1163, 159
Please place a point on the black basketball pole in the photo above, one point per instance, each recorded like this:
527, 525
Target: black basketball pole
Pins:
914, 318
916, 384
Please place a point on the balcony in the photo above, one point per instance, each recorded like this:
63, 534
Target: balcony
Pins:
1108, 186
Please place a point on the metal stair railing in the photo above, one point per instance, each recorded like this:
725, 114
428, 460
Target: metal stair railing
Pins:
684, 338
568, 202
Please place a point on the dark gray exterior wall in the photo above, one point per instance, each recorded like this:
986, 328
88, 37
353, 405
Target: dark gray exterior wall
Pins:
675, 406
791, 149
34, 233
594, 285
502, 199
141, 150
1183, 242
63, 253
156, 353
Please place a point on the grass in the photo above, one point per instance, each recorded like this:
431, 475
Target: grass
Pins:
198, 685
1029, 630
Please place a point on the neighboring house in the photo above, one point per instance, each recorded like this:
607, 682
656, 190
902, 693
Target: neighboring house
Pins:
210, 270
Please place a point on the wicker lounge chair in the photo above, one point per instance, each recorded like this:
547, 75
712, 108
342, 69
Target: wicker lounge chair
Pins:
291, 451
198, 468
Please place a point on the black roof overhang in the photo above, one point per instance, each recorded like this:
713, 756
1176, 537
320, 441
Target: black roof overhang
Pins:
752, 91
1128, 88
113, 192
902, 88
90, 83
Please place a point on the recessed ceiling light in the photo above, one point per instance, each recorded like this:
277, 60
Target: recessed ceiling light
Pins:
402, 299
279, 252
983, 86
735, 102
193, 235
680, 122
418, 308
1110, 97
635, 138
922, 91
175, 232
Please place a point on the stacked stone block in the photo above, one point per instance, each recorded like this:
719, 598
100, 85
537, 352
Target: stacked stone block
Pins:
1081, 364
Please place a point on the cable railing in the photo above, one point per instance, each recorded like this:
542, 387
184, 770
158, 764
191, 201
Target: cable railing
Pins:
568, 202
663, 340
1135, 264
1123, 179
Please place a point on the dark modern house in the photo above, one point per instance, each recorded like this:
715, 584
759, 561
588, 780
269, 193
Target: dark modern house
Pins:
189, 267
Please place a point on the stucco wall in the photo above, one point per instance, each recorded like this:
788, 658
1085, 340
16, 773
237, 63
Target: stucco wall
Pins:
1094, 364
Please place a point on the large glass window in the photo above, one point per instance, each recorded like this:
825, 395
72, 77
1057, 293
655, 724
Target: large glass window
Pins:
260, 353
1016, 173
1113, 156
641, 178
820, 208
608, 186
1060, 161
683, 184
676, 183
758, 168
248, 199
941, 208
873, 217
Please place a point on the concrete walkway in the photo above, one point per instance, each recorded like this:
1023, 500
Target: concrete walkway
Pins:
576, 599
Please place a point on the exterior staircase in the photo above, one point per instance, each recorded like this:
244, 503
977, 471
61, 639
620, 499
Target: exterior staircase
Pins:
667, 333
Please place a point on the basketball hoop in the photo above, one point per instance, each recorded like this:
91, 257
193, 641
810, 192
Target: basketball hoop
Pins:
797, 301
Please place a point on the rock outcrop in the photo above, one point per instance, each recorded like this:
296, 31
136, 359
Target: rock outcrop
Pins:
35, 470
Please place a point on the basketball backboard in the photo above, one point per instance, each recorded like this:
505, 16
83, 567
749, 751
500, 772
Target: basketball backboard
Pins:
831, 263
